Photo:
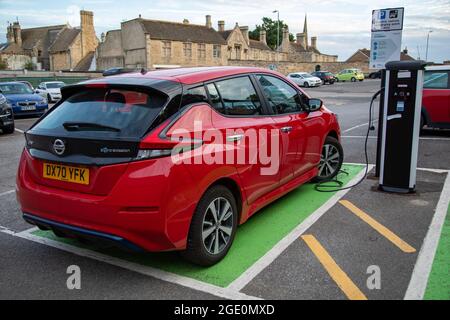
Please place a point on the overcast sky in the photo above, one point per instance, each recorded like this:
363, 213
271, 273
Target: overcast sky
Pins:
342, 26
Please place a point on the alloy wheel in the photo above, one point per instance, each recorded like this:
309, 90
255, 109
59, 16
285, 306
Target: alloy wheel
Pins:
329, 160
217, 227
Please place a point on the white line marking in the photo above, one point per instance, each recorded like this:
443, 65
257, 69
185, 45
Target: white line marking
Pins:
421, 169
145, 270
374, 137
359, 126
419, 279
18, 130
7, 231
271, 255
7, 192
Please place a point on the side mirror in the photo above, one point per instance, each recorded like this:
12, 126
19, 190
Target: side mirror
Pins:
314, 105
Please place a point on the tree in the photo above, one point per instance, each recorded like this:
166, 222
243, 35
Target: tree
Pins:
271, 27
3, 65
29, 66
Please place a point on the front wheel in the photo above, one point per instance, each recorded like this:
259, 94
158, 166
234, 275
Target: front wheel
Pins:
8, 129
213, 227
306, 84
49, 98
331, 159
353, 79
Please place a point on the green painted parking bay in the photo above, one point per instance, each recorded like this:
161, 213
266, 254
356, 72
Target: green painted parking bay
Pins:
253, 239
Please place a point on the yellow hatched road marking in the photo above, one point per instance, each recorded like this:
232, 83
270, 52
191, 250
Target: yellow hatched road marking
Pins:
388, 234
337, 274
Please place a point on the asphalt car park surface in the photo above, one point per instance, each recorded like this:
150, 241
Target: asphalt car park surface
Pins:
294, 268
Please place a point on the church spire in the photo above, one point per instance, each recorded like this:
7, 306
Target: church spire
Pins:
305, 30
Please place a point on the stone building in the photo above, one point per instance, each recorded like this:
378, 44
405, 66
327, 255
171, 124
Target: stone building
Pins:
154, 44
300, 50
157, 44
54, 48
241, 47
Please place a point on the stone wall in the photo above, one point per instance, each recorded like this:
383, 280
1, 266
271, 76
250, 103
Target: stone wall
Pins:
15, 62
286, 67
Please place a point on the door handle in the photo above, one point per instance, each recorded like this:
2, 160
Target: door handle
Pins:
236, 137
286, 129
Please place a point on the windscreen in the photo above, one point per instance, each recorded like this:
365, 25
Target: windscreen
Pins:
15, 88
105, 112
55, 85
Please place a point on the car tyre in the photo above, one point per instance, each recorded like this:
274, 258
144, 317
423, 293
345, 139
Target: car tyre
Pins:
306, 84
353, 79
422, 122
207, 242
9, 129
331, 159
49, 98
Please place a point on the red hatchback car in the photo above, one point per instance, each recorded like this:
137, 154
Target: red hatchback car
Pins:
436, 97
173, 159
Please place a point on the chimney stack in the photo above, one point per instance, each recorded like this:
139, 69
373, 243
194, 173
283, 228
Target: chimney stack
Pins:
244, 31
17, 32
102, 37
89, 40
262, 36
208, 21
300, 37
314, 42
10, 34
221, 25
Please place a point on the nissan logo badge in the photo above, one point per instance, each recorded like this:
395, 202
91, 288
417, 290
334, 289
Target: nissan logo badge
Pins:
59, 147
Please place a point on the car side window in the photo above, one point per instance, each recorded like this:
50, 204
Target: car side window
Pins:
194, 95
436, 80
239, 97
215, 99
281, 96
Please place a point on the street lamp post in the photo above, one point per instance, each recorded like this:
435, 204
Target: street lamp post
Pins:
278, 32
428, 40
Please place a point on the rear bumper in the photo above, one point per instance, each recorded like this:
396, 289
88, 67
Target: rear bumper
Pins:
154, 219
73, 231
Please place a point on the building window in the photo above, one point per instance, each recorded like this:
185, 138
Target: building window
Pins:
201, 51
237, 50
167, 48
187, 49
216, 51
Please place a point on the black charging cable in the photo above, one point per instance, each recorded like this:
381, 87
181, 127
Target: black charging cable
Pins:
334, 185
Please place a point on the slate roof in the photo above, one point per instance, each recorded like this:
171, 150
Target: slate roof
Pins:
37, 36
259, 45
165, 30
63, 41
85, 63
225, 34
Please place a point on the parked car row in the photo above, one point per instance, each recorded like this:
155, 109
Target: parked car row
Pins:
19, 98
318, 78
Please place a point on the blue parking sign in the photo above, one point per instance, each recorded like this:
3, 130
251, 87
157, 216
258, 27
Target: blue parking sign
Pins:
382, 14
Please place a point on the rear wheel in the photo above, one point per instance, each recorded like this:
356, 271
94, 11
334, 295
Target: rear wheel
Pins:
422, 122
353, 79
49, 98
213, 227
331, 159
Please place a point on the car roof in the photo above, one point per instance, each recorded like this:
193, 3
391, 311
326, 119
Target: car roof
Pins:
11, 82
194, 75
52, 82
432, 68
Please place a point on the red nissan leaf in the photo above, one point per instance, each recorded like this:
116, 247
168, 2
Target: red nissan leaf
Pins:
173, 159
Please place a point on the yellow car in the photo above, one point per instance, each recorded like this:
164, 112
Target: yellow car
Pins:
350, 75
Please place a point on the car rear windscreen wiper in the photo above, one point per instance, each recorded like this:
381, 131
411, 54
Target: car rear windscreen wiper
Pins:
88, 126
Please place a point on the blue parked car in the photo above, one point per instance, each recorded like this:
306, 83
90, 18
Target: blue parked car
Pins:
23, 100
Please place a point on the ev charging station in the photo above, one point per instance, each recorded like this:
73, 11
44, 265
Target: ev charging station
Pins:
402, 105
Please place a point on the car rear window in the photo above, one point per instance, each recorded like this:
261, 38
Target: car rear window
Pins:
111, 112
